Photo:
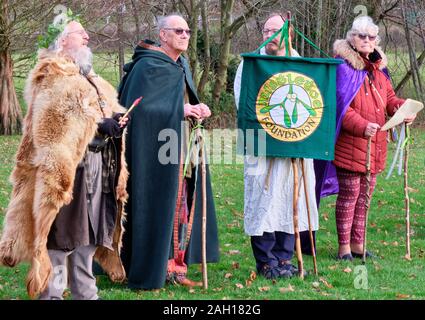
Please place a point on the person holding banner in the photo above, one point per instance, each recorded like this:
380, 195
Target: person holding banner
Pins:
364, 99
268, 210
166, 201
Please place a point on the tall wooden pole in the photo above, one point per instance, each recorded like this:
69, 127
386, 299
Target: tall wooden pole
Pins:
367, 202
295, 212
296, 186
310, 231
204, 213
406, 195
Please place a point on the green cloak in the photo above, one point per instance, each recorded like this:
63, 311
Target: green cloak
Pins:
153, 187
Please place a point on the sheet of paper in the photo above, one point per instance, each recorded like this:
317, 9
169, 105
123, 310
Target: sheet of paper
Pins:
408, 109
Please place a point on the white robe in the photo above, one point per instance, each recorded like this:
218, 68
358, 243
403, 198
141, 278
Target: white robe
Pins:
269, 208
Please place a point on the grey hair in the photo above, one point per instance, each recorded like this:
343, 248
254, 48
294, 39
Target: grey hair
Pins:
362, 25
163, 21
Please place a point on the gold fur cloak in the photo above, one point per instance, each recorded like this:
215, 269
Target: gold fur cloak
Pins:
63, 112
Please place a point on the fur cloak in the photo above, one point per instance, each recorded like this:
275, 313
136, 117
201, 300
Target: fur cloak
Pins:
62, 117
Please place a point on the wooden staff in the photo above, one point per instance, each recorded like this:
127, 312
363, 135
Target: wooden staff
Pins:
295, 211
135, 103
406, 196
313, 249
296, 187
367, 202
204, 209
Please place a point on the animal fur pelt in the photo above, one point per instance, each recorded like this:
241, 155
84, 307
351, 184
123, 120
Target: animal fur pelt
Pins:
62, 117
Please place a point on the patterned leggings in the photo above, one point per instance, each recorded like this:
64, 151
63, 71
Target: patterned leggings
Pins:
350, 206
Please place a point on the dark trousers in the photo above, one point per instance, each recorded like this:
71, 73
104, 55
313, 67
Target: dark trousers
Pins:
272, 247
306, 242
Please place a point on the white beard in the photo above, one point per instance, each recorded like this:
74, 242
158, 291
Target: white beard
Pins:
84, 59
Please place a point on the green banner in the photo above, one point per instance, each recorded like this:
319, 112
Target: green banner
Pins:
289, 103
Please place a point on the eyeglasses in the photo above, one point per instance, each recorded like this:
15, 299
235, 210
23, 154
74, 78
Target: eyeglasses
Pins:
179, 31
273, 31
363, 36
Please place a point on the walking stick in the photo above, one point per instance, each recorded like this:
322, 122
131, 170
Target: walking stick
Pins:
313, 249
295, 212
204, 212
367, 202
296, 187
406, 195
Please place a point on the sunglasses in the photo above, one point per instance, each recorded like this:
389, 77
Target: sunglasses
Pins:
273, 31
363, 36
179, 31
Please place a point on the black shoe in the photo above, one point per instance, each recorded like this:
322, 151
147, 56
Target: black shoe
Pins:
269, 272
347, 257
285, 271
360, 255
288, 266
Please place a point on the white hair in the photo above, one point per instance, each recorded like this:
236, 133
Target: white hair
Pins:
56, 45
363, 24
163, 21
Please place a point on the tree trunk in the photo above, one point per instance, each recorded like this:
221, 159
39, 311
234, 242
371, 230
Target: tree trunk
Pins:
10, 110
207, 55
136, 19
400, 86
223, 60
417, 82
120, 31
319, 25
193, 43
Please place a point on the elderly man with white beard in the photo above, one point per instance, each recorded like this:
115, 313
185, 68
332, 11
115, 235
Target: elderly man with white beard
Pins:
70, 176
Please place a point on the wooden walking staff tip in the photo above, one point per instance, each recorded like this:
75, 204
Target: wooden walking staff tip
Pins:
367, 202
406, 196
295, 212
204, 212
310, 231
135, 103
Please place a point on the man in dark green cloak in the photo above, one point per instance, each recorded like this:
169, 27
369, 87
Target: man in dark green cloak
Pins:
163, 230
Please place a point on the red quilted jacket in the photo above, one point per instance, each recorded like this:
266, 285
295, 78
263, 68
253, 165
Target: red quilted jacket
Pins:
367, 106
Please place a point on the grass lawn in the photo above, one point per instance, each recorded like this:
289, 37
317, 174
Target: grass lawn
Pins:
388, 277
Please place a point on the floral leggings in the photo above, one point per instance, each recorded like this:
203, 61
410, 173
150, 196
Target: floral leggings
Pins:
350, 206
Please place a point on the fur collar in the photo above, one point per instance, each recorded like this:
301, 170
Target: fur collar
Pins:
51, 63
344, 50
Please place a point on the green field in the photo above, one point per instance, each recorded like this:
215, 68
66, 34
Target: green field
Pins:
389, 276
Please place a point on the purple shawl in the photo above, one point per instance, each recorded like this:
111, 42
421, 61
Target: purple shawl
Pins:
348, 82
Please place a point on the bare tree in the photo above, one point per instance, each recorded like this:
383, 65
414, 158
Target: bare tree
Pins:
207, 49
228, 28
18, 20
10, 111
414, 66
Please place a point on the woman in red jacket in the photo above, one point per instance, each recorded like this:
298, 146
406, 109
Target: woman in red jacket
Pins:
365, 95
